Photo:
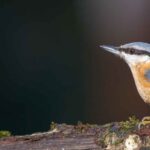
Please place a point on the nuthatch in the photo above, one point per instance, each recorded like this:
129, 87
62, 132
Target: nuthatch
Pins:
137, 56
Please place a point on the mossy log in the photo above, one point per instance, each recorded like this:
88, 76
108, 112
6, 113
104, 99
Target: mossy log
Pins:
113, 136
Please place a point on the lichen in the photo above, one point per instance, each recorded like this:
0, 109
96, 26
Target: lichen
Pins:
132, 142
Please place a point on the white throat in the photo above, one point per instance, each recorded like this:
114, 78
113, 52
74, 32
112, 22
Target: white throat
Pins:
135, 59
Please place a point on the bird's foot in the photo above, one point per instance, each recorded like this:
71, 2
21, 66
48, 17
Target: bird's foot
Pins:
145, 122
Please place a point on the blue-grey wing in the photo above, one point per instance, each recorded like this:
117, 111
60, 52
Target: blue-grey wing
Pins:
147, 74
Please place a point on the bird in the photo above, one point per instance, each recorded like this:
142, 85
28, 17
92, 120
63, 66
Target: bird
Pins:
137, 57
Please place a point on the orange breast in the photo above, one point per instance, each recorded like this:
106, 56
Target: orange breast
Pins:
141, 70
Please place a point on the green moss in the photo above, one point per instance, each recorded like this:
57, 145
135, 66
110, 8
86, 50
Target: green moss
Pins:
80, 127
53, 125
5, 134
118, 142
115, 132
129, 124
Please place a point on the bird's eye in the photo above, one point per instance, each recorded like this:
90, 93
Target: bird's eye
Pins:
131, 51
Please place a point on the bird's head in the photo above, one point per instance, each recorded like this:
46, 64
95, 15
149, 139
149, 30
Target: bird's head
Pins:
137, 56
132, 53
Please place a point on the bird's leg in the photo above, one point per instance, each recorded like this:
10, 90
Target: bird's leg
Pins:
144, 122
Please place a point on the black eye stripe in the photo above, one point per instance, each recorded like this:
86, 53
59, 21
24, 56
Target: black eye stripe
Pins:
134, 51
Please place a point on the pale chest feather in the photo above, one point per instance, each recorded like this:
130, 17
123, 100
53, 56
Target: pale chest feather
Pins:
141, 74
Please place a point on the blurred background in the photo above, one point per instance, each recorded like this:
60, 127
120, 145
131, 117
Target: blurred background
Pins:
51, 66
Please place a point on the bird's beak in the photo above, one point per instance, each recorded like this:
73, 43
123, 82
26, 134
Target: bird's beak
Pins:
111, 49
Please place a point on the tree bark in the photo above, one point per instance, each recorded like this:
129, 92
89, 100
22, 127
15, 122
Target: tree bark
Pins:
81, 137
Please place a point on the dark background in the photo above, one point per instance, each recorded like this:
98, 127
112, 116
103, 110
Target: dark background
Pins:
51, 66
